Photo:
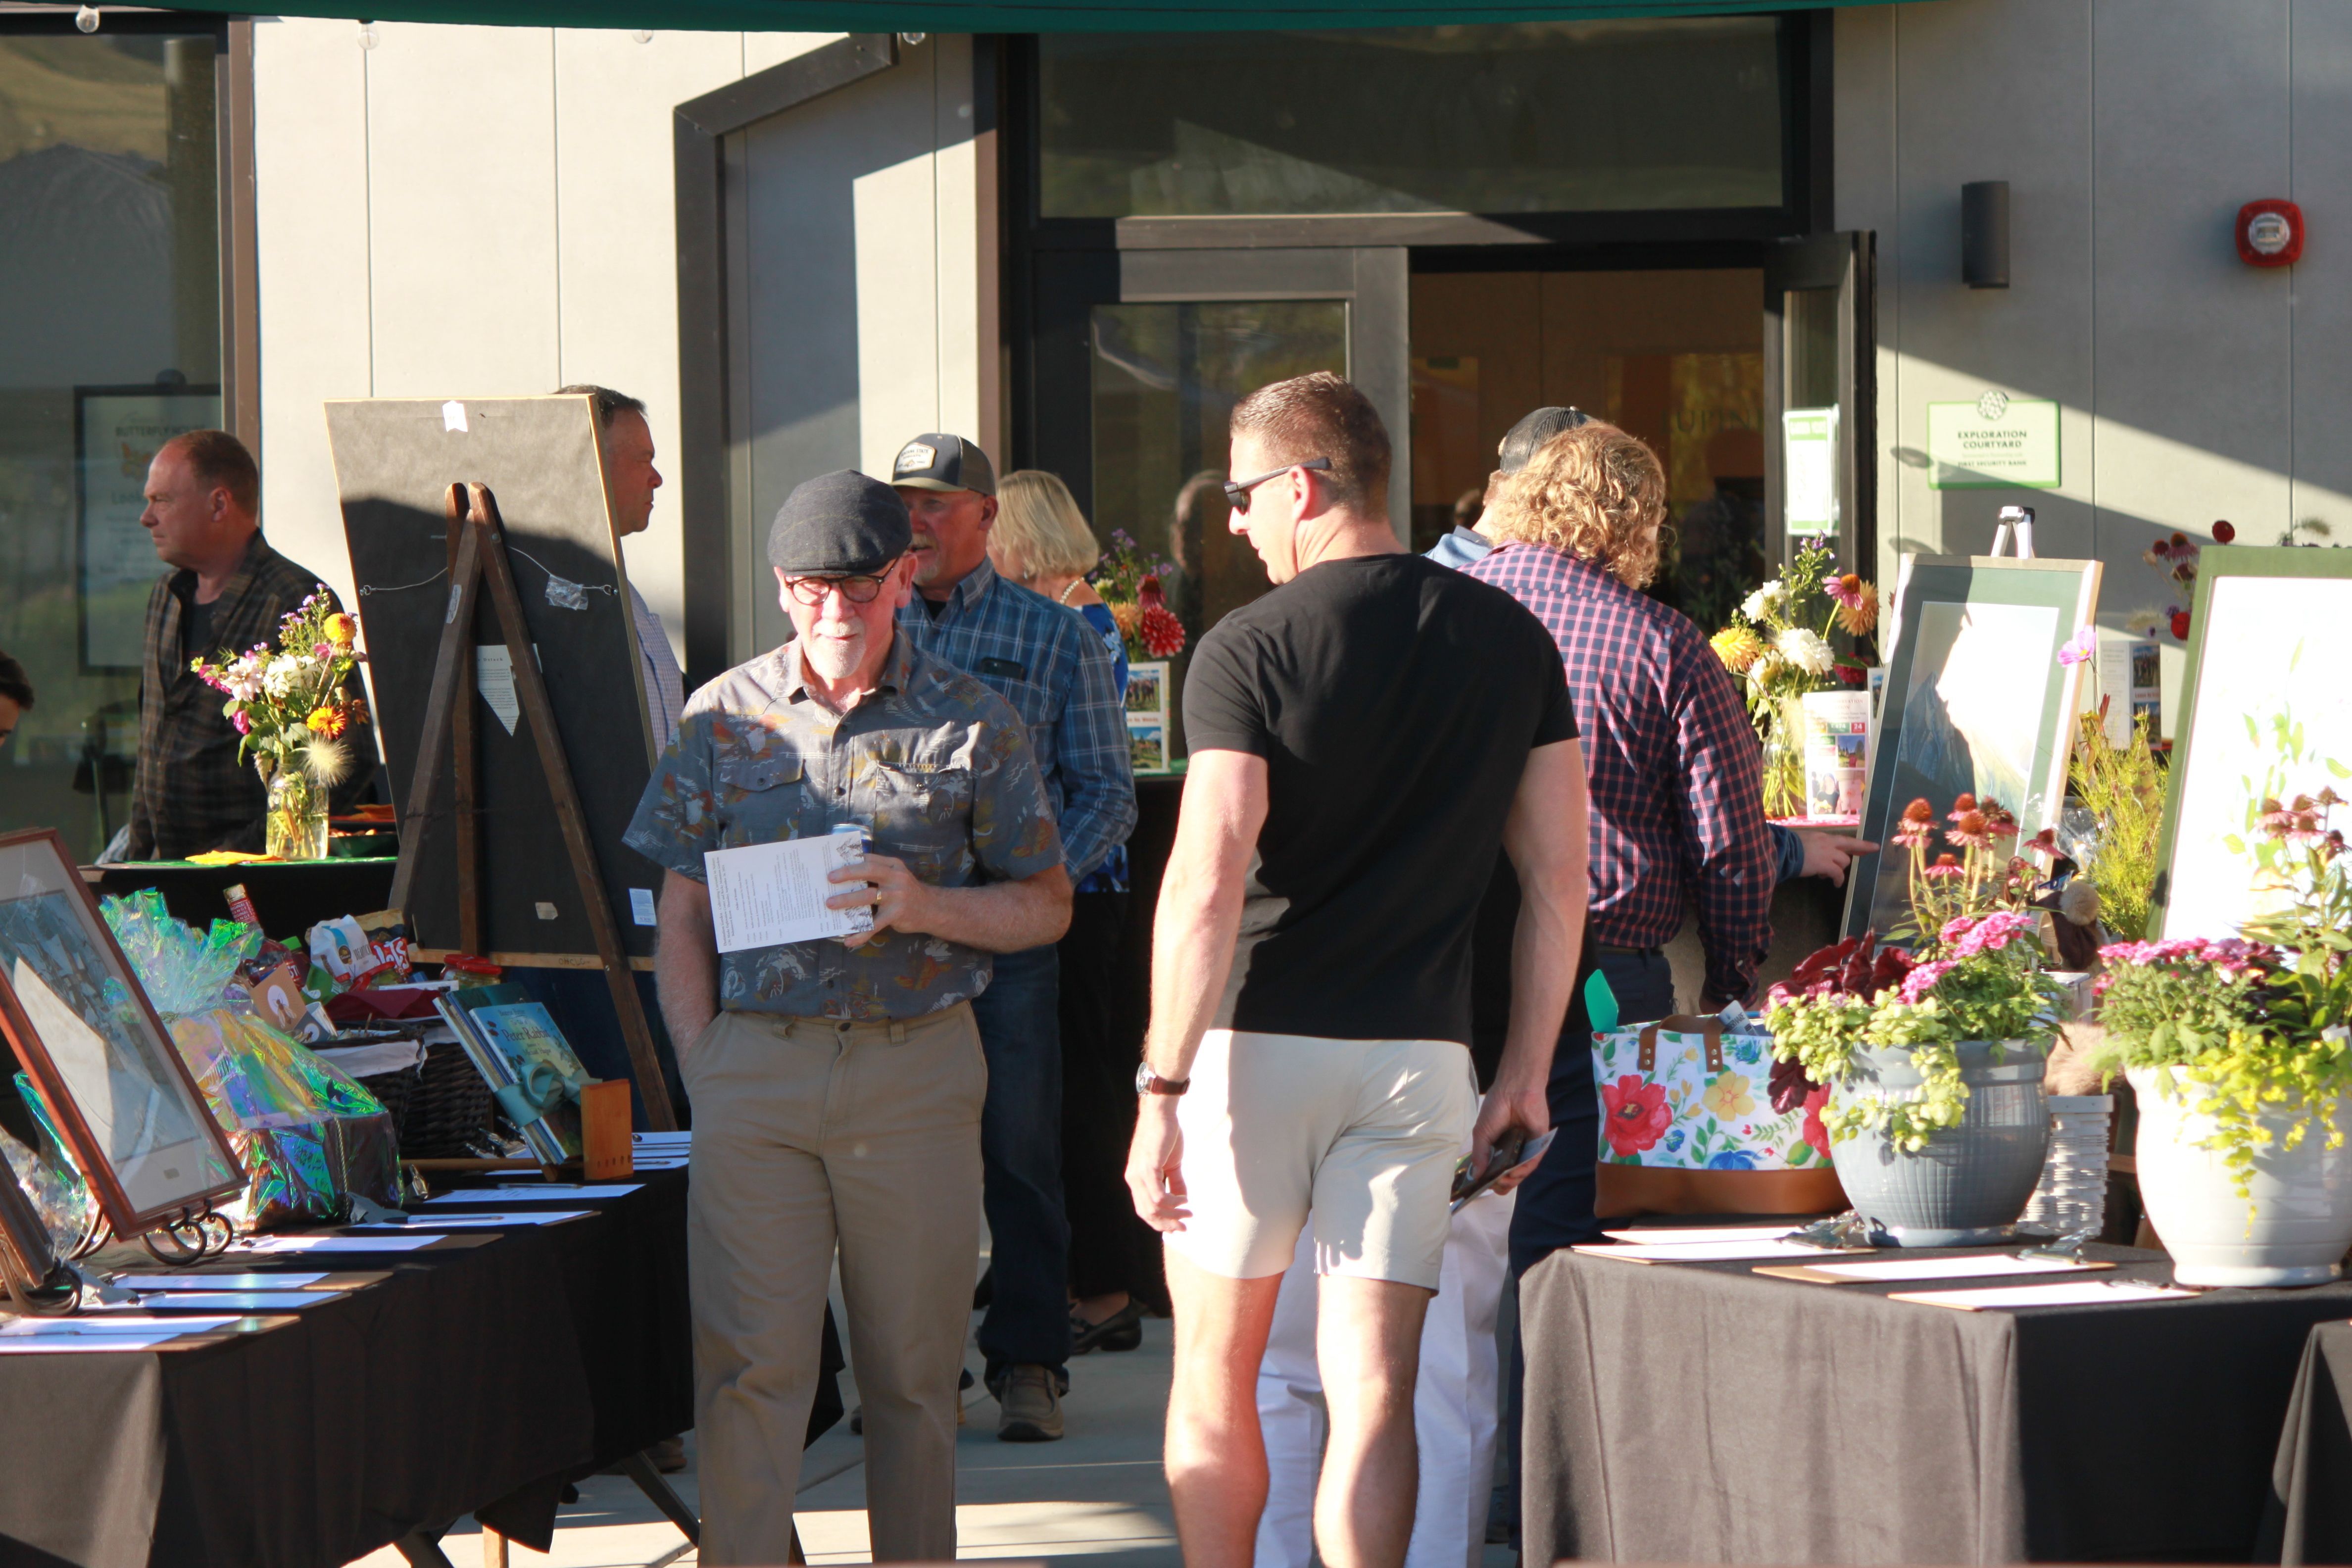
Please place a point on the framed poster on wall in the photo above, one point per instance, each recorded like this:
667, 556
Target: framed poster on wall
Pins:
117, 432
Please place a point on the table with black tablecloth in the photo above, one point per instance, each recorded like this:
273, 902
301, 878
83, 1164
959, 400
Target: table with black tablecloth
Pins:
2310, 1516
478, 1376
288, 896
1703, 1412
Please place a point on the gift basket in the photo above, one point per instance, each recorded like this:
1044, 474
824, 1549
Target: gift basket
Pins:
310, 1138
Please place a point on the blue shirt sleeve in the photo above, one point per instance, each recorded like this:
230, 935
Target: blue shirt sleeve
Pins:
1099, 617
1789, 851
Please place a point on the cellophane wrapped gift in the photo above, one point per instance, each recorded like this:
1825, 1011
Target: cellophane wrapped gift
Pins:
309, 1137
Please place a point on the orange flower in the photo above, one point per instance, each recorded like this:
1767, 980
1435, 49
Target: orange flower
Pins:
325, 721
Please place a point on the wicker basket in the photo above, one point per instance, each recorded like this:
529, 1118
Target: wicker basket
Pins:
448, 1109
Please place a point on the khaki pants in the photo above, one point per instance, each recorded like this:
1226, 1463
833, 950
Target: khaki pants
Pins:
807, 1133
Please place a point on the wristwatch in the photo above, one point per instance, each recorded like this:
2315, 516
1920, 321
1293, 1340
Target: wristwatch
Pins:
1150, 1082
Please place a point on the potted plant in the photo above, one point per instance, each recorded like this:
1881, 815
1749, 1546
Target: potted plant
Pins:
1934, 1058
290, 706
1778, 644
2237, 1052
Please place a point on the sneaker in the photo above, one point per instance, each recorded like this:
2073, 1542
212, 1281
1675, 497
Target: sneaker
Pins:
1122, 1330
1029, 1406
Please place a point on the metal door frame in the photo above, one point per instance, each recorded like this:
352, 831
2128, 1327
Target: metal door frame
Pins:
1847, 262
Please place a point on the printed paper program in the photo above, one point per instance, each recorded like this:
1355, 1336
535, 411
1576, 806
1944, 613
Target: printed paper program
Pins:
769, 895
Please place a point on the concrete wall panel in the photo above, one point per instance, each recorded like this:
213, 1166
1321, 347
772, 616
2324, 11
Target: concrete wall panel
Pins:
310, 168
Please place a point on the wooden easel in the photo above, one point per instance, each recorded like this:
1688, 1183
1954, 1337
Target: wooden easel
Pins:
478, 552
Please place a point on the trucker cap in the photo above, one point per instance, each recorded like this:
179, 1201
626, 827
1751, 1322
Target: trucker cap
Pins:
1526, 438
839, 524
939, 462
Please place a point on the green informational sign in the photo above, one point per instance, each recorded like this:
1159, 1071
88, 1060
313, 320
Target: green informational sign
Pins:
1809, 464
1996, 442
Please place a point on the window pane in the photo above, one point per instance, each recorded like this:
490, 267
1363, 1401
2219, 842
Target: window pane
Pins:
109, 200
1533, 117
1165, 379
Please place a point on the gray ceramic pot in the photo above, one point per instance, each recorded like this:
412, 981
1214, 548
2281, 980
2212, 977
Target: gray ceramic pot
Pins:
1972, 1182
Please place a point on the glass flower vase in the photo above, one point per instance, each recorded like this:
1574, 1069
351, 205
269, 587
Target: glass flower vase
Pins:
296, 825
1784, 759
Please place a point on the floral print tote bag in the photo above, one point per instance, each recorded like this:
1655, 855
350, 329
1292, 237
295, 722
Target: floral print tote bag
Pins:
1686, 1094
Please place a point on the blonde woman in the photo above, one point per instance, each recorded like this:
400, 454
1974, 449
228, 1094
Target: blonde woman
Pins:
1041, 540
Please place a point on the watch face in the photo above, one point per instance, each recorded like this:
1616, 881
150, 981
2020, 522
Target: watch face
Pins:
1143, 1077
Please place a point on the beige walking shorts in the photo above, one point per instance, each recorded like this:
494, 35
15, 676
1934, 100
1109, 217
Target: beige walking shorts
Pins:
1360, 1135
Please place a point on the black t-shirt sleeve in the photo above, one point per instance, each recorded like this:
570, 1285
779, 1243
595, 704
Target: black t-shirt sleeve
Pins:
1224, 702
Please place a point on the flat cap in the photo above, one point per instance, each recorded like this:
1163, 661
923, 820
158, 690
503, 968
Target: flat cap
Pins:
941, 462
1523, 440
839, 524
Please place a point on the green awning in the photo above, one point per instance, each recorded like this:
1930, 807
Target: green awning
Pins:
1036, 16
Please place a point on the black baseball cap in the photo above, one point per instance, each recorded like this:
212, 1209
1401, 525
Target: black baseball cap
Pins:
940, 462
1523, 440
837, 526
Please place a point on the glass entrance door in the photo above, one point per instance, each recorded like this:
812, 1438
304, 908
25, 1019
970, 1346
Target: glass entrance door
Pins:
1820, 474
1141, 357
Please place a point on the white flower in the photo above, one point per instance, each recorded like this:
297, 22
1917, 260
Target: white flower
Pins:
1805, 649
1765, 600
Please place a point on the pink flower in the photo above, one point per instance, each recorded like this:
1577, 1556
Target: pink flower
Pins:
1990, 934
322, 652
1922, 980
2078, 648
244, 725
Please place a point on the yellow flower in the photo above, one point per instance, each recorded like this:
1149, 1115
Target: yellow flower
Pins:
1126, 615
1729, 1097
341, 630
326, 720
1738, 646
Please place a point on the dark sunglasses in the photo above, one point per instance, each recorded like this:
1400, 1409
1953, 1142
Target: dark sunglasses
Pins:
861, 589
1237, 490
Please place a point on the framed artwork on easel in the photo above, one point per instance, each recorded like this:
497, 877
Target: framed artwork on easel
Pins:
2265, 711
114, 1085
1977, 701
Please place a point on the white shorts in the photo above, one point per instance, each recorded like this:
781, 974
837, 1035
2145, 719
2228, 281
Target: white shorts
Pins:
1362, 1135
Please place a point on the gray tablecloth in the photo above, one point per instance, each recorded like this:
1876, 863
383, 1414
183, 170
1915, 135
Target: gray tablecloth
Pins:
2310, 1517
1699, 1413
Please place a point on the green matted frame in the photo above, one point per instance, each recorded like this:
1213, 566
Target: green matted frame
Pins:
2217, 564
2069, 587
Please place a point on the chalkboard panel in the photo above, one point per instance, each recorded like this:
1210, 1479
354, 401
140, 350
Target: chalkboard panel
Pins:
395, 461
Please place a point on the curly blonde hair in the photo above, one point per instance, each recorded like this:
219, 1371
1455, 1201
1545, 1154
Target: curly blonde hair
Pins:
1595, 492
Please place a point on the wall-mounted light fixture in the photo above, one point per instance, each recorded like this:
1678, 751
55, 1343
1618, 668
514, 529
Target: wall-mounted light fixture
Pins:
2270, 233
1984, 234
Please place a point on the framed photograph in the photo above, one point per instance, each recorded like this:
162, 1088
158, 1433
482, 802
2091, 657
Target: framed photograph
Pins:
1147, 692
2265, 711
117, 432
129, 1113
1146, 743
1975, 702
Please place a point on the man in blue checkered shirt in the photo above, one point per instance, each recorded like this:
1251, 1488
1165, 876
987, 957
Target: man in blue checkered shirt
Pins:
1049, 664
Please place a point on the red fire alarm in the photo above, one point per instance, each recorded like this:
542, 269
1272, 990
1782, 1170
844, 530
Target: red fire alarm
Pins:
2270, 234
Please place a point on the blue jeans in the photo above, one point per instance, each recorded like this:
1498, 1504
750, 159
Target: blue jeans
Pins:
1019, 1014
1556, 1203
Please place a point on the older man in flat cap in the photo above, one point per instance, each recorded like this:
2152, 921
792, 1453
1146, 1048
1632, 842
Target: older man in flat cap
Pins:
838, 1084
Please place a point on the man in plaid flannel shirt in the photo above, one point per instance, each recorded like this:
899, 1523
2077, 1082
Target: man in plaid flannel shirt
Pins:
1048, 663
1676, 779
225, 589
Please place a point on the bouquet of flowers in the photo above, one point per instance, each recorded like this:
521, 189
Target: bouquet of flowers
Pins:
290, 705
1129, 582
1975, 974
1778, 645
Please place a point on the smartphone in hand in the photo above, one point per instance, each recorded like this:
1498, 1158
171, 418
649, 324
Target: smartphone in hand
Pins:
1514, 1149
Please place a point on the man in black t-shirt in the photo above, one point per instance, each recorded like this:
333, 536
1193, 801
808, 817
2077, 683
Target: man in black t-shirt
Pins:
1363, 738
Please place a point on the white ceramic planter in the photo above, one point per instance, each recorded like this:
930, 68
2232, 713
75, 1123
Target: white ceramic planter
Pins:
2292, 1228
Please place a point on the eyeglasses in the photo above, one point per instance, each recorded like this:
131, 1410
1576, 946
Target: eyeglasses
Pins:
1237, 490
858, 590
